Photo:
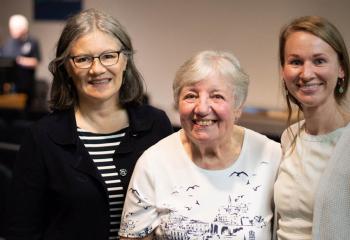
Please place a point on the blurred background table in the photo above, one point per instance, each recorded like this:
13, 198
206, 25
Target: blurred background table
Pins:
13, 101
271, 123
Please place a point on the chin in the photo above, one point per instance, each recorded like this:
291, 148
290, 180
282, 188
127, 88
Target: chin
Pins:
204, 139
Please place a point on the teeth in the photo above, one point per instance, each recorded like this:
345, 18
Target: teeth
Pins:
204, 122
99, 81
309, 85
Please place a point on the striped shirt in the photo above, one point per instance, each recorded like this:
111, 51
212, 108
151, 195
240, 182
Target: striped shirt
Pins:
101, 148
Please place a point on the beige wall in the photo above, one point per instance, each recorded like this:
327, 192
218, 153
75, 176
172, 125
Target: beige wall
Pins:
166, 32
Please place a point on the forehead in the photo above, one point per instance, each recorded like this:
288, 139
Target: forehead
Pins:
213, 82
303, 42
95, 42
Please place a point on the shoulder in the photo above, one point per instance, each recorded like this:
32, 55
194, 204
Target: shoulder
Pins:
343, 142
257, 139
145, 118
347, 129
59, 126
259, 145
162, 157
55, 118
168, 146
290, 134
146, 111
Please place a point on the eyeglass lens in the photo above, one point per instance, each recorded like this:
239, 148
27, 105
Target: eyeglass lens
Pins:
86, 61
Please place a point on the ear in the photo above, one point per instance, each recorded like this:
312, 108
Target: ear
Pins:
68, 68
125, 62
238, 113
282, 75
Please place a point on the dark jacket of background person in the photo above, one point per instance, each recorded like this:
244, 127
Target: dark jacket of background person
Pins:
58, 188
26, 48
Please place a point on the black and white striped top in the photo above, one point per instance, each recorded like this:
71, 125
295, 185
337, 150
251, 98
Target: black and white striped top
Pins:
101, 148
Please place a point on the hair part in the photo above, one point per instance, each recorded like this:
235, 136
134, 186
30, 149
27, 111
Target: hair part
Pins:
207, 63
63, 92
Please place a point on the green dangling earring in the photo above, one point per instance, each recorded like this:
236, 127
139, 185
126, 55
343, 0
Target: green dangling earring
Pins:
341, 89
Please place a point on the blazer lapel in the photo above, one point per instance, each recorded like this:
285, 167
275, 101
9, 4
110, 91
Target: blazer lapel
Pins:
139, 122
64, 132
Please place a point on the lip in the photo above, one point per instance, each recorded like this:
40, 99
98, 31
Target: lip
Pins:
309, 87
99, 81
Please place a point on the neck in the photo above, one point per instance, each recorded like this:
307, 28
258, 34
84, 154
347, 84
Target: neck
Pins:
322, 121
102, 119
216, 156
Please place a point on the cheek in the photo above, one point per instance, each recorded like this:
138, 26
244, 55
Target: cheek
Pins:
288, 74
76, 78
225, 112
74, 74
337, 72
69, 68
185, 109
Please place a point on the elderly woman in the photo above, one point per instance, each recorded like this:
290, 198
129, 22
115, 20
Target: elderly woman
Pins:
74, 165
212, 179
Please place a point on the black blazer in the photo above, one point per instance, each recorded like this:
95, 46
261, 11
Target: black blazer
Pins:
57, 192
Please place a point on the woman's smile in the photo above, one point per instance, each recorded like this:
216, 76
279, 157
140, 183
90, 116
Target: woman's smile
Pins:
204, 122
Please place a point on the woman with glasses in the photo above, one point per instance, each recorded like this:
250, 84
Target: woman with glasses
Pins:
74, 165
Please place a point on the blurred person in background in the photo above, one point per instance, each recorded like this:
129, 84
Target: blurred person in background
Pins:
26, 51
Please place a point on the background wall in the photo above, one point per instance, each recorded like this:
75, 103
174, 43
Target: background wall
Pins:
167, 32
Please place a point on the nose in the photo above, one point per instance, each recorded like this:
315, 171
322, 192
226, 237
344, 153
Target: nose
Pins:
307, 71
97, 67
203, 106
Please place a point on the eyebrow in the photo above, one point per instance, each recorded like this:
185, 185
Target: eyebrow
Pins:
103, 52
314, 55
320, 55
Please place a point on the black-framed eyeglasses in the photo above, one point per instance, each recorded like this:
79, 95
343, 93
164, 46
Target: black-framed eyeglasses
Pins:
106, 59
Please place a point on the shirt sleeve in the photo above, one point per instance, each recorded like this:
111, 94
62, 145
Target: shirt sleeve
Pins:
36, 50
140, 216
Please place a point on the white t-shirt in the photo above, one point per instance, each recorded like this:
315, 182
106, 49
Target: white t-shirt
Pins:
299, 175
168, 193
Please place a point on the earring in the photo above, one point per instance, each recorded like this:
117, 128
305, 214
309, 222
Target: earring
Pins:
340, 83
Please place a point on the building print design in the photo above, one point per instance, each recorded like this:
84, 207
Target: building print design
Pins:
228, 223
235, 219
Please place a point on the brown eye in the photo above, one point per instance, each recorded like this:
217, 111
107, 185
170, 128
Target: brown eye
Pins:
82, 59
